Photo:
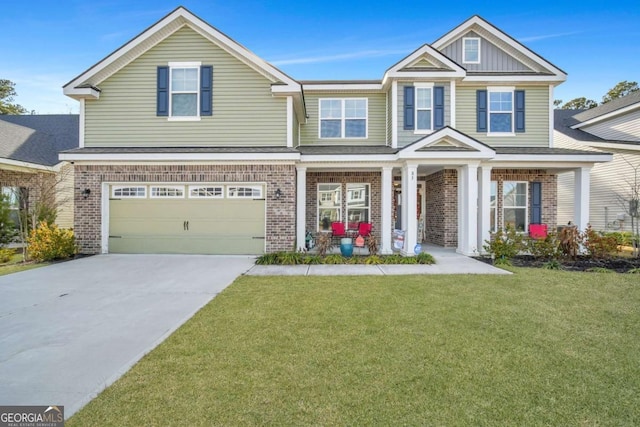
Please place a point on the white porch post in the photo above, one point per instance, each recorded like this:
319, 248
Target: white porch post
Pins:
582, 190
484, 206
301, 201
409, 208
467, 209
385, 214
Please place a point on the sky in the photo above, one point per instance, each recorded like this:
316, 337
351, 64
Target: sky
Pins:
45, 44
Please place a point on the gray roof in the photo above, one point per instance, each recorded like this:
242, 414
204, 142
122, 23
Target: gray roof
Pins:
542, 151
564, 119
318, 150
37, 138
609, 107
149, 150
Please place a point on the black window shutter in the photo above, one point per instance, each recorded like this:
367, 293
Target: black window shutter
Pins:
536, 203
519, 95
409, 107
162, 107
481, 110
206, 90
438, 107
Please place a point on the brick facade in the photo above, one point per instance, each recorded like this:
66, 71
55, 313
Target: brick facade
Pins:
344, 178
441, 208
280, 222
39, 184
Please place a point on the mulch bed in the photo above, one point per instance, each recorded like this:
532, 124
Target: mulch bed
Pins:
619, 265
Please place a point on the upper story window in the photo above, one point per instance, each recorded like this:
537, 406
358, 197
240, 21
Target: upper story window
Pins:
184, 90
424, 107
343, 118
471, 50
501, 110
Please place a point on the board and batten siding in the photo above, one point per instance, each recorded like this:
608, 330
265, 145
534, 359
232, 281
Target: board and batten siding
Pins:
376, 119
244, 110
621, 128
406, 137
609, 182
536, 117
492, 58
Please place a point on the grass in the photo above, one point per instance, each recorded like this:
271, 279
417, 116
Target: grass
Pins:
537, 348
16, 265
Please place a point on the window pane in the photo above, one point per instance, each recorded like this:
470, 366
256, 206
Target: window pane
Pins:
516, 218
471, 50
330, 109
355, 128
355, 108
329, 195
12, 196
424, 119
184, 104
358, 215
500, 122
330, 128
184, 79
326, 217
423, 96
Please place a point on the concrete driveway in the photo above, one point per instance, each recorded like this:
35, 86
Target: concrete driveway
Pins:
69, 330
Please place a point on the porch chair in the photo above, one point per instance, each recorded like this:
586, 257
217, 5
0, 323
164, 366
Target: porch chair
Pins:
337, 230
364, 229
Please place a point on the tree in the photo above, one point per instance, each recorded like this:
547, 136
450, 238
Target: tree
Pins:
629, 201
581, 103
557, 102
7, 92
623, 88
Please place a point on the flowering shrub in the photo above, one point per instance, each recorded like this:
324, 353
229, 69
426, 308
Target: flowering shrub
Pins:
47, 242
504, 244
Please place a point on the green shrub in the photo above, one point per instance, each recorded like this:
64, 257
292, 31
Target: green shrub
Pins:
599, 245
373, 260
334, 259
290, 258
504, 244
312, 259
553, 264
47, 242
408, 260
547, 248
623, 238
6, 254
392, 259
425, 258
267, 259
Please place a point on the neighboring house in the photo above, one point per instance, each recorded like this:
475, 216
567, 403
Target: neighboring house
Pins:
29, 166
613, 127
189, 142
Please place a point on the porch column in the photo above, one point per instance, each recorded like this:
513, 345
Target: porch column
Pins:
301, 208
467, 209
582, 190
484, 206
409, 208
386, 206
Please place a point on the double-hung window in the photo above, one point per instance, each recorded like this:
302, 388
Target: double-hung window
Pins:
470, 50
501, 110
343, 118
185, 81
16, 198
358, 203
424, 107
329, 205
514, 204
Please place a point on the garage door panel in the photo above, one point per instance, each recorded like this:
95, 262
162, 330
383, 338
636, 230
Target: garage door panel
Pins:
179, 245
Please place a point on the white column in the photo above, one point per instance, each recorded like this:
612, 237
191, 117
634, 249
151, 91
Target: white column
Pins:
468, 209
409, 208
403, 199
582, 185
484, 206
301, 208
386, 207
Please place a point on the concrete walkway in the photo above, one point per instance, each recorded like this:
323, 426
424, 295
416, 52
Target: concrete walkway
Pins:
69, 330
447, 262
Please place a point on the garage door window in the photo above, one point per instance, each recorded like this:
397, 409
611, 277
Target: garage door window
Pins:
244, 192
129, 192
167, 192
206, 192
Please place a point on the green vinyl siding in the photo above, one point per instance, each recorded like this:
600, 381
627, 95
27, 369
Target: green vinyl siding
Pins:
536, 117
406, 137
376, 119
244, 110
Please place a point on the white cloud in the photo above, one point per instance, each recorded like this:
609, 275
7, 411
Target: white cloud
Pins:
547, 36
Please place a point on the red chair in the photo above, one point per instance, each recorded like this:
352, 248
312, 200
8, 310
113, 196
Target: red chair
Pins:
337, 230
538, 231
364, 229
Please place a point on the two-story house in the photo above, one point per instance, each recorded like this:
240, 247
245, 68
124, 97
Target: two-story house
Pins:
190, 143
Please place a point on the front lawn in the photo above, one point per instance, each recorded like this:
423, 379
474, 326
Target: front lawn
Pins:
535, 348
16, 265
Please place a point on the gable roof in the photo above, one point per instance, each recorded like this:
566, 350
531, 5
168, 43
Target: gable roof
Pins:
37, 139
448, 67
477, 22
565, 121
85, 85
608, 109
445, 142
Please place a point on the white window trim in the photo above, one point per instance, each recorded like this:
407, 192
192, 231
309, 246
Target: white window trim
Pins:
464, 50
196, 187
173, 187
114, 188
193, 64
417, 86
343, 118
494, 89
252, 187
526, 205
318, 205
368, 207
